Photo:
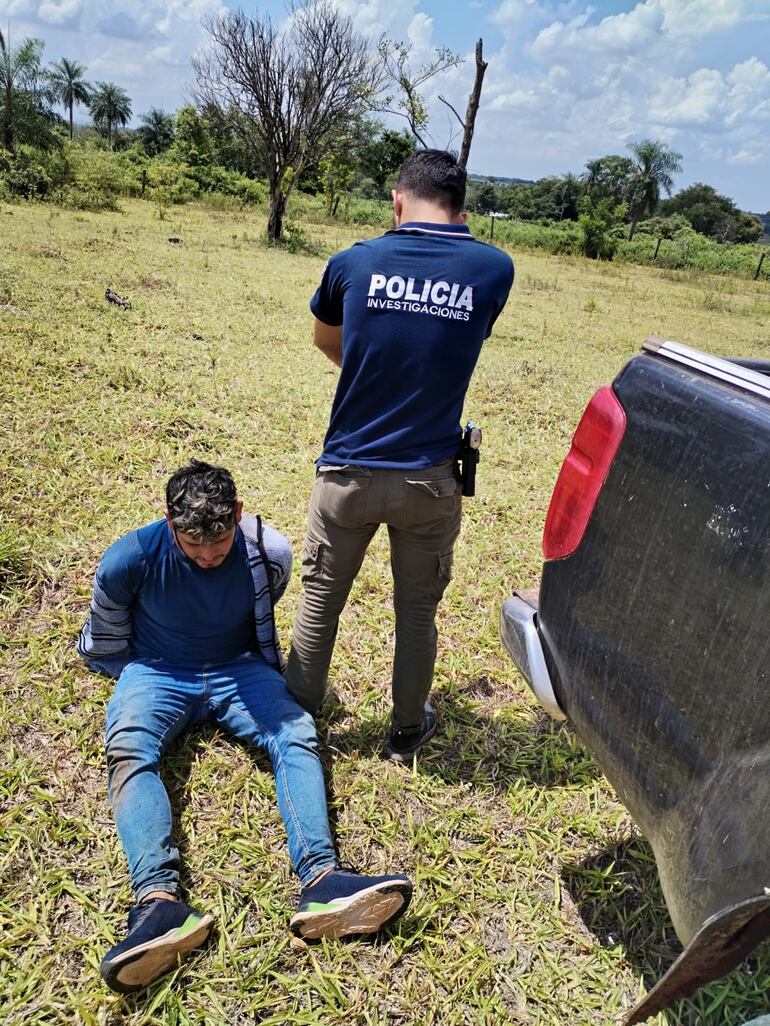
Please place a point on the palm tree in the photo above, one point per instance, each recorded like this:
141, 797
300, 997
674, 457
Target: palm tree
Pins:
18, 67
654, 164
156, 131
593, 175
110, 105
66, 77
571, 188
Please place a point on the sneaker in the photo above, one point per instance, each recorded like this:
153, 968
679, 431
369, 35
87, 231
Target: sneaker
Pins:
159, 931
342, 903
403, 745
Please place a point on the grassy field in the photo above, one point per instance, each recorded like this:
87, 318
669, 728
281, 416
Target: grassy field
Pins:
536, 902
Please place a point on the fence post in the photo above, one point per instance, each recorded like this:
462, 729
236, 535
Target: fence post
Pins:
491, 228
655, 255
759, 266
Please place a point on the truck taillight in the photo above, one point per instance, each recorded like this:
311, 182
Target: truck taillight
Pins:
583, 473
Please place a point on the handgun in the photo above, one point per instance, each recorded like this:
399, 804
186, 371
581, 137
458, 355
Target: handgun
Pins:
469, 457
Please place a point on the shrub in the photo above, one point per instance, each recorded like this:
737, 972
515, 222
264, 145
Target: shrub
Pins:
230, 183
182, 182
360, 210
689, 249
170, 183
294, 238
601, 223
671, 227
553, 237
76, 198
99, 178
24, 173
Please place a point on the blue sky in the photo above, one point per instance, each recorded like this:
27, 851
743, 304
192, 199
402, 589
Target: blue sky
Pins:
567, 81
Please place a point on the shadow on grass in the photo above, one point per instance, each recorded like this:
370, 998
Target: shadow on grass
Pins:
618, 896
474, 743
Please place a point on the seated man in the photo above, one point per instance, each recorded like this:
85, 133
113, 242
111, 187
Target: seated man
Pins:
182, 613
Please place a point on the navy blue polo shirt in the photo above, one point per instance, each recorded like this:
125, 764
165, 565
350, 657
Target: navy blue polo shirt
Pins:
415, 306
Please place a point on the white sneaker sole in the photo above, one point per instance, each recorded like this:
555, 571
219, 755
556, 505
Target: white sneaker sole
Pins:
366, 911
140, 966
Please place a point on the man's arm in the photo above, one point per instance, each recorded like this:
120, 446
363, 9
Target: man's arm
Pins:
106, 634
279, 558
328, 338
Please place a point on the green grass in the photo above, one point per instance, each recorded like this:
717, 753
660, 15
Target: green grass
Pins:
536, 902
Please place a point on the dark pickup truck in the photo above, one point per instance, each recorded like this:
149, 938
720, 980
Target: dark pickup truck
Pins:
651, 634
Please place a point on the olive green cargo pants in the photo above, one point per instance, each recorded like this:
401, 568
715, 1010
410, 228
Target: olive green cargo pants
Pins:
422, 509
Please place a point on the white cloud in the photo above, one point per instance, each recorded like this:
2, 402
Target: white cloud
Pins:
518, 13
647, 22
747, 157
123, 19
519, 99
749, 91
696, 101
373, 17
19, 9
703, 17
713, 100
420, 31
113, 65
60, 13
625, 33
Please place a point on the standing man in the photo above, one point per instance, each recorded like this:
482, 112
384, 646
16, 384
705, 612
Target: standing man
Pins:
404, 316
183, 613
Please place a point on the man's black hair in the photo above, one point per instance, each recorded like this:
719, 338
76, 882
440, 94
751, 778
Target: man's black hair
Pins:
436, 176
201, 499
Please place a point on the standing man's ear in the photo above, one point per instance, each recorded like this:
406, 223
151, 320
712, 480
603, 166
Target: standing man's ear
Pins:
238, 511
398, 206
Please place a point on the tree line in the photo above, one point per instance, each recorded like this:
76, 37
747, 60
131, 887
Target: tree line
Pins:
617, 189
297, 107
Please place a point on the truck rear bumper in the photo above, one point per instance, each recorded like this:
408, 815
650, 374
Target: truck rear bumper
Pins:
518, 630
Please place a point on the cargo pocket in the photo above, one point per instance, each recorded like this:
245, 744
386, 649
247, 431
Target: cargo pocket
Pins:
312, 560
442, 575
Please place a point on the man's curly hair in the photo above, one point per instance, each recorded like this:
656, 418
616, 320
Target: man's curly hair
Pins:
201, 498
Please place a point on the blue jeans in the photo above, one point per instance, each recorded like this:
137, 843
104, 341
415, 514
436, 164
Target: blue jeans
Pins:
154, 702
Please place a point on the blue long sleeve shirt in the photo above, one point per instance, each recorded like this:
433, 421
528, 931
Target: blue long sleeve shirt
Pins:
150, 601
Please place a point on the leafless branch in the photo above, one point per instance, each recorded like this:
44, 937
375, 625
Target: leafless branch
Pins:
448, 104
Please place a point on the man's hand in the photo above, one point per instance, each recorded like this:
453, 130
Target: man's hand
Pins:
328, 338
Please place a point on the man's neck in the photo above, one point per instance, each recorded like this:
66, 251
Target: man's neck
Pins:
427, 213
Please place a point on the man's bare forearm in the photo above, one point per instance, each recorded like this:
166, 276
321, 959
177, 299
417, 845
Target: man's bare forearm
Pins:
328, 338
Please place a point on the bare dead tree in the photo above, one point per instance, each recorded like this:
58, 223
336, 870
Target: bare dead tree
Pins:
294, 86
469, 124
407, 101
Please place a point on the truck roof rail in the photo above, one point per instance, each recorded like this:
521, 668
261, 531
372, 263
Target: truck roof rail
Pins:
714, 366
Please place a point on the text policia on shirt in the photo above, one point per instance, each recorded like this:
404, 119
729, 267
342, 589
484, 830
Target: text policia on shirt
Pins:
412, 295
